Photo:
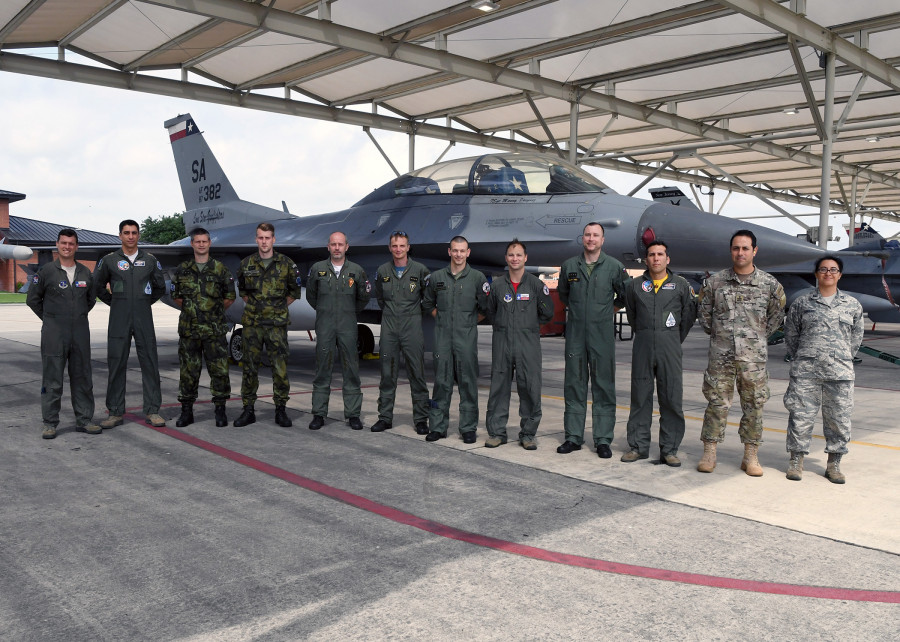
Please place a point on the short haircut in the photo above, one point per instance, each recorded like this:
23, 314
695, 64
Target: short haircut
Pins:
128, 221
746, 233
516, 242
829, 257
67, 231
399, 234
659, 242
459, 239
199, 231
602, 229
265, 227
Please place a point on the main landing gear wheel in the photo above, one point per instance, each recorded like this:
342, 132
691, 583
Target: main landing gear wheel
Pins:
365, 340
236, 345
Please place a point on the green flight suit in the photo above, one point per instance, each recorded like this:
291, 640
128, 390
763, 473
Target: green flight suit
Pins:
133, 288
265, 322
337, 299
517, 315
458, 300
202, 327
400, 299
590, 335
63, 306
661, 321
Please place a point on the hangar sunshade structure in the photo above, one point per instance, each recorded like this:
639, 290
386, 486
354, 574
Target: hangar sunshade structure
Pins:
790, 101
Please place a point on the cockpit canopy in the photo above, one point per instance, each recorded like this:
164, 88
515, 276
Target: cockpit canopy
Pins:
496, 174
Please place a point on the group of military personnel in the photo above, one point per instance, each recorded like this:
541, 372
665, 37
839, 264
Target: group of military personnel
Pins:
739, 308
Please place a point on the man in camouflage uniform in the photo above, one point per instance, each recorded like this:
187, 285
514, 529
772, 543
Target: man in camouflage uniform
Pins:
517, 306
399, 287
590, 284
130, 281
203, 288
337, 289
661, 310
739, 308
61, 294
823, 331
456, 297
268, 282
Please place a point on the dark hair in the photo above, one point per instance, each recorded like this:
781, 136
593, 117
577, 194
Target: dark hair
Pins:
747, 233
266, 227
199, 231
67, 231
459, 239
658, 242
516, 242
829, 257
128, 221
602, 229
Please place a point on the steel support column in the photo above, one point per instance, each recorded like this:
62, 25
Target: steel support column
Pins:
827, 143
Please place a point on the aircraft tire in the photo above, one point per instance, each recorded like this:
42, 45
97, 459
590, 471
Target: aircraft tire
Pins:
365, 340
236, 346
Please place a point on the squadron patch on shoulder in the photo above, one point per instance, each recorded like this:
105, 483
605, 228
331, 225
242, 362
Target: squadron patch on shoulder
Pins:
546, 291
368, 287
159, 266
35, 279
486, 287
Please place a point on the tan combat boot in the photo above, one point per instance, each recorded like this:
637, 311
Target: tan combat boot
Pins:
795, 469
750, 464
708, 461
833, 470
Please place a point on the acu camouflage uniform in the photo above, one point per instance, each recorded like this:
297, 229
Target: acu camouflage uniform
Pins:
821, 338
202, 327
739, 315
265, 321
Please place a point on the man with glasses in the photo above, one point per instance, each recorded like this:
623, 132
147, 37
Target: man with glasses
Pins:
822, 332
739, 309
399, 288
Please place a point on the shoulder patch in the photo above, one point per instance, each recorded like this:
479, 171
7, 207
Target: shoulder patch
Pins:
486, 287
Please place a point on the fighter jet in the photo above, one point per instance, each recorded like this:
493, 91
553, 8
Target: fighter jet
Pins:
490, 199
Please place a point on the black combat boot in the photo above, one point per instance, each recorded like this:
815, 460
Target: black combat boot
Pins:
221, 417
281, 417
186, 418
247, 417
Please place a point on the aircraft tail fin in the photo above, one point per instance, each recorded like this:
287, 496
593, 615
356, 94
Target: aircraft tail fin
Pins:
673, 196
866, 238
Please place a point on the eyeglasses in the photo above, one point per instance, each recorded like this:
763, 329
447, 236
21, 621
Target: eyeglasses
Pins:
829, 270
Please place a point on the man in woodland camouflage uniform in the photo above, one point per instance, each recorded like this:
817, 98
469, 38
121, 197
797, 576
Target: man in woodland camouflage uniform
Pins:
739, 308
203, 288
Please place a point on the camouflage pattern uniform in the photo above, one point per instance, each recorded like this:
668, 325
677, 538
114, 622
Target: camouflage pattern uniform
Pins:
265, 321
337, 300
458, 299
739, 315
400, 298
63, 306
822, 339
202, 327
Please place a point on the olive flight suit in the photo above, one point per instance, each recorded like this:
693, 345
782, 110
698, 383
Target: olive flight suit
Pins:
517, 315
458, 300
337, 299
590, 336
265, 321
133, 288
661, 320
202, 327
400, 299
63, 306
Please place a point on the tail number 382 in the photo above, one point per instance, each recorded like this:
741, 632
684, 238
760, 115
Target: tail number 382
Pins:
209, 192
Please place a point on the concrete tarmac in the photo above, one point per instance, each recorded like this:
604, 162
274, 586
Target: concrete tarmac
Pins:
270, 533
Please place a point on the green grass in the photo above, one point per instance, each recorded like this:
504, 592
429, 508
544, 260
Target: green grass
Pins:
11, 297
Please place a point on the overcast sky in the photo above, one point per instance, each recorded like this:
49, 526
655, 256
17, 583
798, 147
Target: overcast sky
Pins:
89, 156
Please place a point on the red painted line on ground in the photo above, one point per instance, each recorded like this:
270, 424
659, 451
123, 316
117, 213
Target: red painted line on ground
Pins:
436, 528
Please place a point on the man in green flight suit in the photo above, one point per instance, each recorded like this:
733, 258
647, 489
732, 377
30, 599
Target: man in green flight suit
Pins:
337, 289
203, 288
590, 285
661, 310
399, 288
457, 298
517, 306
268, 283
61, 294
129, 281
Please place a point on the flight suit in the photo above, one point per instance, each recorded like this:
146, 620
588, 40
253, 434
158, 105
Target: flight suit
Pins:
516, 315
661, 321
202, 327
265, 321
337, 299
400, 299
590, 333
458, 300
63, 306
133, 288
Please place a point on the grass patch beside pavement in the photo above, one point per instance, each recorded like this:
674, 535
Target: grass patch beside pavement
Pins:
11, 297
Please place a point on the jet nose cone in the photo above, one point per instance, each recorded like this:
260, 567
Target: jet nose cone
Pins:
700, 241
